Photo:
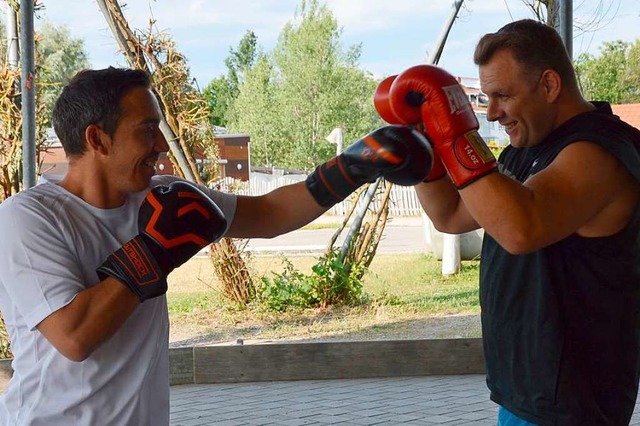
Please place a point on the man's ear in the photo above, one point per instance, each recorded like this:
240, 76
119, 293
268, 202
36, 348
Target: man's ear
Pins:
97, 139
552, 84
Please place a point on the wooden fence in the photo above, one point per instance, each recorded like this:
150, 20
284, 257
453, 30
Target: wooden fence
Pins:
403, 201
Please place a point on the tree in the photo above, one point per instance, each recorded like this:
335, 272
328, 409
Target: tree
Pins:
222, 91
60, 56
631, 75
309, 86
254, 111
613, 76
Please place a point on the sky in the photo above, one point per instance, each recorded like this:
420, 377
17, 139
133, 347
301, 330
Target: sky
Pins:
393, 35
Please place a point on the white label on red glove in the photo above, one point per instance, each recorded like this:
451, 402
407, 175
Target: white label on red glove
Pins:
458, 101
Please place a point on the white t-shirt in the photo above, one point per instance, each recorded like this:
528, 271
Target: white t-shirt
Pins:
51, 243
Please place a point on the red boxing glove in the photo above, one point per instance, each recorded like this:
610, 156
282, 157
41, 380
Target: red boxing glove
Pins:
381, 102
437, 171
436, 96
409, 117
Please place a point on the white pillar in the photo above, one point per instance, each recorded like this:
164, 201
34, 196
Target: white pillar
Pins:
450, 254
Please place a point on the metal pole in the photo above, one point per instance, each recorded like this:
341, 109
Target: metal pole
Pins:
359, 216
12, 39
564, 24
28, 86
434, 57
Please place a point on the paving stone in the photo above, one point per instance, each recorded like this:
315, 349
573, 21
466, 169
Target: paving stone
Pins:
427, 401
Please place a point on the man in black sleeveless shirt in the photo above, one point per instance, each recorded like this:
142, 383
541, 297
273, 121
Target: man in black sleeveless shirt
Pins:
560, 263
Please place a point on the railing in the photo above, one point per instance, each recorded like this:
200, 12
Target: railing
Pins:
403, 201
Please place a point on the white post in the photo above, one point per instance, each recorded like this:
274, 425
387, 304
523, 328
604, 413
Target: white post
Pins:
450, 254
335, 137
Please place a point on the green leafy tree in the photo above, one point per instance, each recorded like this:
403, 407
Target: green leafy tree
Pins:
59, 56
255, 111
311, 86
222, 91
612, 76
631, 76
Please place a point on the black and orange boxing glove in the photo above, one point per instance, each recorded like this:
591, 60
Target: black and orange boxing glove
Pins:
400, 154
408, 117
174, 222
434, 96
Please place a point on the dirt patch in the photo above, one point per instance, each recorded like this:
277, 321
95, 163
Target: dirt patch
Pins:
330, 329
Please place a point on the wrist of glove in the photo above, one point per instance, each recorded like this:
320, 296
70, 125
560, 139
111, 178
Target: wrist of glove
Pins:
330, 183
438, 170
467, 159
136, 266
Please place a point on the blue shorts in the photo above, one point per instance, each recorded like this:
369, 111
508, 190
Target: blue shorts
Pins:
507, 418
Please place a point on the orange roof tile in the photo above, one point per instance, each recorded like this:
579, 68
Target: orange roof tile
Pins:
629, 113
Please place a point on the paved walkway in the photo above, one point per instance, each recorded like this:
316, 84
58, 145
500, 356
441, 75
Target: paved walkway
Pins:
428, 400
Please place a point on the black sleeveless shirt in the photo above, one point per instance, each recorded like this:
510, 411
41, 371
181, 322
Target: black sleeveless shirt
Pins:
561, 325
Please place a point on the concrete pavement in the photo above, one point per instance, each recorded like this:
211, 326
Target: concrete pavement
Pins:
426, 400
401, 235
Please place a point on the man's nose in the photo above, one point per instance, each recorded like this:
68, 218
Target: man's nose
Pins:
161, 144
493, 111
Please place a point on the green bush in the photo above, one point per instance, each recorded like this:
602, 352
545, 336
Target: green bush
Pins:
330, 283
289, 289
337, 283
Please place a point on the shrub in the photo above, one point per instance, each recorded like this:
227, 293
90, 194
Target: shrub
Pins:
331, 282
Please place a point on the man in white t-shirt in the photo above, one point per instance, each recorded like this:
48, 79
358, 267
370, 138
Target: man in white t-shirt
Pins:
85, 256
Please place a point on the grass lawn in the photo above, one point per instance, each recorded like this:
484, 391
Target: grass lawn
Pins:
406, 297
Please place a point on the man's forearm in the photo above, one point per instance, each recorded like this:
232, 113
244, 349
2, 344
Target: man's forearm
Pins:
95, 315
442, 203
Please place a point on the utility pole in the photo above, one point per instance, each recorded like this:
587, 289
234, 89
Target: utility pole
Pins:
564, 23
28, 86
434, 57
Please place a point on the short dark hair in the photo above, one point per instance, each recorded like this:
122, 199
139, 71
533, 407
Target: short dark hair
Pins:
93, 97
534, 45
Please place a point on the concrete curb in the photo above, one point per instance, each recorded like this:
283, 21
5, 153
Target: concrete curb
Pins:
316, 361
329, 360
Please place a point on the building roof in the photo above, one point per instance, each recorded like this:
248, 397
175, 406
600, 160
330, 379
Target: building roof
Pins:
629, 113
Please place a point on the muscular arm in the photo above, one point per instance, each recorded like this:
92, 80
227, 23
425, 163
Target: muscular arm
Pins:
277, 212
442, 203
585, 190
93, 316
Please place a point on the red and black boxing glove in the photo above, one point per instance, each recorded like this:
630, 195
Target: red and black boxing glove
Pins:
400, 154
175, 222
383, 107
430, 94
